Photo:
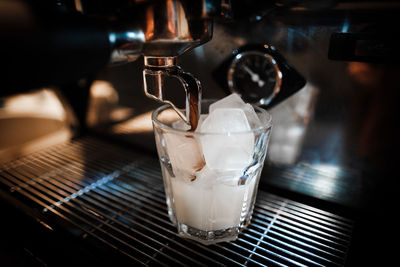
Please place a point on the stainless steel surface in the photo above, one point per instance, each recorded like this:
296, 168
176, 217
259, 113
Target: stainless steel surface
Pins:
115, 197
127, 44
33, 121
164, 30
172, 27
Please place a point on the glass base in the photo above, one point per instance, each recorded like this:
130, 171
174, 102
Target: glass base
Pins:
213, 236
208, 237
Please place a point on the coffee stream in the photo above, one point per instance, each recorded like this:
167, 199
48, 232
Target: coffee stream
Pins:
193, 96
194, 91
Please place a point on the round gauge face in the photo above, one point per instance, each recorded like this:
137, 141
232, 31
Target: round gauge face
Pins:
255, 76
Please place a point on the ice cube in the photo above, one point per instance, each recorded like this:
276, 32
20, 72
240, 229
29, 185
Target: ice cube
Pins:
251, 115
201, 120
185, 155
231, 101
234, 101
209, 177
224, 149
205, 177
225, 120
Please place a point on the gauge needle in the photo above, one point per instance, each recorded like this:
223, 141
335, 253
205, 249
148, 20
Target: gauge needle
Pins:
254, 76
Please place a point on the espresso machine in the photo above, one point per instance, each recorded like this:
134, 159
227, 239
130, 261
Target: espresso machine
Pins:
80, 181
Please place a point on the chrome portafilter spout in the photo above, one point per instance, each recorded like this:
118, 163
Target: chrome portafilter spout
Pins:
160, 30
156, 70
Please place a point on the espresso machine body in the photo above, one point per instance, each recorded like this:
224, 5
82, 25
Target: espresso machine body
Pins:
79, 176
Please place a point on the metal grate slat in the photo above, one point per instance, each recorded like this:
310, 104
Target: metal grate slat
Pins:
116, 197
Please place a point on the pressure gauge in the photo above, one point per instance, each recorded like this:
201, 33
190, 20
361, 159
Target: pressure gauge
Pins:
255, 76
259, 74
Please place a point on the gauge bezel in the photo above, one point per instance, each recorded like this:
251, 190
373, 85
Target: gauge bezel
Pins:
278, 77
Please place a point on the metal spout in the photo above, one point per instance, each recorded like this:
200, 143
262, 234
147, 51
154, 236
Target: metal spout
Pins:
156, 70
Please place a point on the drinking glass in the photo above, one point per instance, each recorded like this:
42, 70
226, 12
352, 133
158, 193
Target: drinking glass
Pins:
209, 203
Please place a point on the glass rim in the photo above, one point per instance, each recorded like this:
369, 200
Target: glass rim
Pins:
266, 126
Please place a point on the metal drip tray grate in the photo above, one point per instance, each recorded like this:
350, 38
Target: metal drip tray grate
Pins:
115, 197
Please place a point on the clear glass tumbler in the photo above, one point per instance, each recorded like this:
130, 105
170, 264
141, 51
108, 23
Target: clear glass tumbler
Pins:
209, 202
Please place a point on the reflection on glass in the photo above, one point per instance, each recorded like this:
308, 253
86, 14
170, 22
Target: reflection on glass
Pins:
290, 122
